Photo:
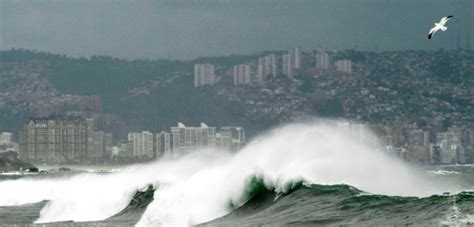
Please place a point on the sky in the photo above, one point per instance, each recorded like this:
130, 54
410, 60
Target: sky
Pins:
186, 29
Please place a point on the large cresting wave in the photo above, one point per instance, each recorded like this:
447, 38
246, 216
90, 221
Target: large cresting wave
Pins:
208, 184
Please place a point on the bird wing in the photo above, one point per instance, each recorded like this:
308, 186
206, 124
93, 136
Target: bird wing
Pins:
432, 31
444, 20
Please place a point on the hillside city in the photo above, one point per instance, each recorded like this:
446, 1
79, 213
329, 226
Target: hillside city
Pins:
419, 103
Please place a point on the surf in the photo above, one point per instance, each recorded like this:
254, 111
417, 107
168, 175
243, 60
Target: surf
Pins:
209, 184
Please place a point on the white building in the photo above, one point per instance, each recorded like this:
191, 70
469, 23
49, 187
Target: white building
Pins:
188, 139
287, 66
344, 66
204, 74
231, 138
450, 147
260, 73
241, 74
266, 66
163, 144
295, 56
323, 60
356, 131
141, 144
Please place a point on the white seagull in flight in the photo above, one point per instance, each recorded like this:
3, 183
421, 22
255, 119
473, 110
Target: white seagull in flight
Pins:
439, 25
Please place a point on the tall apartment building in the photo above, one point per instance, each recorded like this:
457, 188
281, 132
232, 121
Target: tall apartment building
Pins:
141, 144
295, 57
323, 60
54, 139
102, 145
163, 144
291, 62
449, 147
344, 66
357, 131
241, 74
204, 74
266, 66
187, 139
230, 138
287, 66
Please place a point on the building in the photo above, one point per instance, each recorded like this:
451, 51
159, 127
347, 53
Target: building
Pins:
344, 66
125, 150
230, 138
163, 144
204, 74
54, 139
449, 147
266, 66
323, 60
141, 145
291, 62
102, 146
356, 131
108, 145
295, 57
287, 66
97, 149
241, 74
187, 139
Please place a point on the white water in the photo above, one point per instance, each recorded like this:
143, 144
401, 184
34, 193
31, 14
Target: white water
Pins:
199, 187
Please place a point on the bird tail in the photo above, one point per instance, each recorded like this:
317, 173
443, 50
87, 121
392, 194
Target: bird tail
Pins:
444, 28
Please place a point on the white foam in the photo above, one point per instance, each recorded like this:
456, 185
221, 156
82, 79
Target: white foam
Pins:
199, 187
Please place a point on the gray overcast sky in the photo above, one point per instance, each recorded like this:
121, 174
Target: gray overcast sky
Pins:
190, 28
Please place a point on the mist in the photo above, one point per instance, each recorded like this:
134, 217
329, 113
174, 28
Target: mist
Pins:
182, 29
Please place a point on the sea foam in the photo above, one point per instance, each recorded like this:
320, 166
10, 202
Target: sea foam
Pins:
201, 186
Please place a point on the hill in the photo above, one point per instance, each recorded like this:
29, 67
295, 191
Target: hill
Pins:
429, 88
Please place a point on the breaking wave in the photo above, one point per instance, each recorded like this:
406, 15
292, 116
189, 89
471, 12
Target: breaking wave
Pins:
209, 184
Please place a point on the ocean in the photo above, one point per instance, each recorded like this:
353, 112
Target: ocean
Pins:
302, 174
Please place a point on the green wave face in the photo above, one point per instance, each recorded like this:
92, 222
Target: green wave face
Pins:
346, 205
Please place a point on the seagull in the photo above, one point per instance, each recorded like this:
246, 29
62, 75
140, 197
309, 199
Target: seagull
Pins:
438, 26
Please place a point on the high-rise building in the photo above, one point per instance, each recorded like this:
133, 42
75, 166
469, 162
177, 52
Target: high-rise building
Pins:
125, 150
231, 138
357, 131
108, 145
54, 139
418, 148
141, 144
266, 66
344, 66
260, 73
287, 66
241, 74
204, 74
295, 56
98, 145
102, 145
187, 139
90, 136
163, 144
450, 147
323, 60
